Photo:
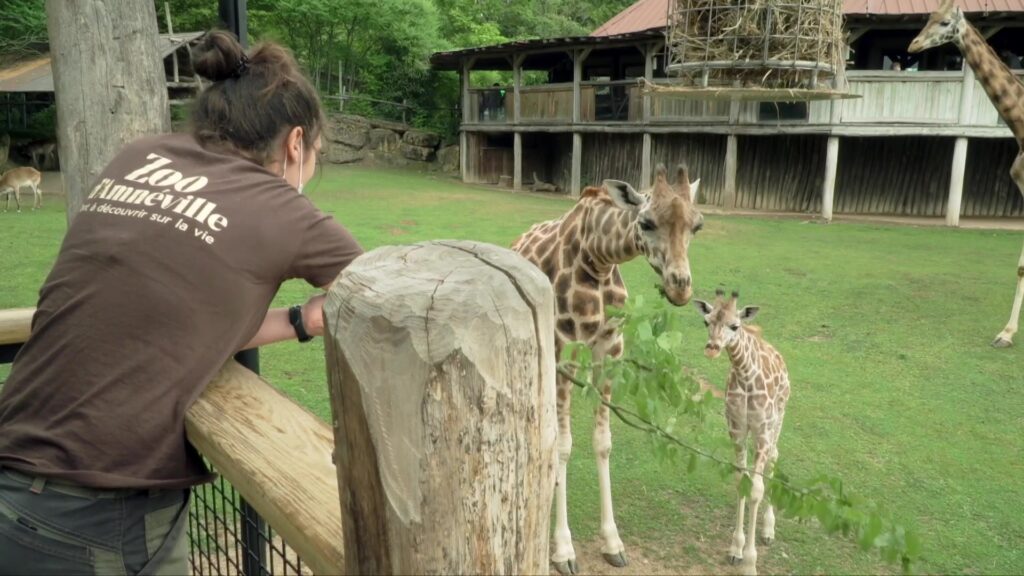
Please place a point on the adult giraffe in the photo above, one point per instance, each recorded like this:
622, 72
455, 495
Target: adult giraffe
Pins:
948, 24
580, 253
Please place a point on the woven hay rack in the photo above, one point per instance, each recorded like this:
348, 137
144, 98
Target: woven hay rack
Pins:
767, 50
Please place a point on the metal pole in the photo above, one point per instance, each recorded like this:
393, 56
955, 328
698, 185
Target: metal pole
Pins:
234, 16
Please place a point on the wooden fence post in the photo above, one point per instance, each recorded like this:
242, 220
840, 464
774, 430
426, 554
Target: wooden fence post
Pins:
441, 363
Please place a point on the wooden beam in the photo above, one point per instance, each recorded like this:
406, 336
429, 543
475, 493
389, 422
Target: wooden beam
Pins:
517, 162
578, 57
577, 165
645, 162
517, 82
278, 456
729, 195
828, 189
15, 325
649, 54
663, 127
463, 154
956, 183
441, 360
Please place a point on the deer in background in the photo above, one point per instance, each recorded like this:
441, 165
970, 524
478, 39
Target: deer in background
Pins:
14, 180
44, 150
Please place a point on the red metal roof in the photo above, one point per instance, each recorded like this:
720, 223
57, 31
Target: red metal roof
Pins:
650, 14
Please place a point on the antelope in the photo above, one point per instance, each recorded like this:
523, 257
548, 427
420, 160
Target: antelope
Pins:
41, 149
13, 180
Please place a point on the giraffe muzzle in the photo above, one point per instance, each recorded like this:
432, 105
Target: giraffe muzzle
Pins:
712, 350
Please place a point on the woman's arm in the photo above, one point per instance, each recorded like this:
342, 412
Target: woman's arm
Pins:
277, 328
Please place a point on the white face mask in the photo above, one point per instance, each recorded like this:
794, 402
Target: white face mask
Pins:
284, 172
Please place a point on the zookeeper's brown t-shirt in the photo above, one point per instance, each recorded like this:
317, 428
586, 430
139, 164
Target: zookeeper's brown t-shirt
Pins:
166, 272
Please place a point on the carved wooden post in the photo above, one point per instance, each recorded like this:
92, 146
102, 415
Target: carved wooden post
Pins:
441, 364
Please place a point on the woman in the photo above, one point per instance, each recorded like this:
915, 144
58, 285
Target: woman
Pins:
167, 271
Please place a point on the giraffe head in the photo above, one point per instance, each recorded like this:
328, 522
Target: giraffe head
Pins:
946, 24
724, 320
663, 220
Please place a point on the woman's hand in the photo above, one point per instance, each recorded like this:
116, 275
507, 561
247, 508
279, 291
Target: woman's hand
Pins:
313, 315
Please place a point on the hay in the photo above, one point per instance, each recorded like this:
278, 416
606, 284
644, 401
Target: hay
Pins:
771, 44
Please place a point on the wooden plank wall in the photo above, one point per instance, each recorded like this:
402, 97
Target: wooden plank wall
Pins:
703, 153
894, 175
988, 189
611, 156
780, 173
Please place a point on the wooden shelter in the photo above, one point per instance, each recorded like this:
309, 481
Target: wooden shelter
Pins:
890, 151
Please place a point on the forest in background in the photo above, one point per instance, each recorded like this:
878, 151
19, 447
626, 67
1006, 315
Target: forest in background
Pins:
379, 49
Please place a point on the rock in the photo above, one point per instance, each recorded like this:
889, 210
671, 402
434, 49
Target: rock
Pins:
388, 125
348, 130
448, 158
420, 153
383, 139
341, 154
420, 138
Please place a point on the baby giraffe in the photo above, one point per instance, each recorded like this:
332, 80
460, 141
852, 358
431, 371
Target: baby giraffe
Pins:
755, 403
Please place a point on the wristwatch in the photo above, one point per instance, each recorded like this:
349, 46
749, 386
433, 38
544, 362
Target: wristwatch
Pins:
295, 319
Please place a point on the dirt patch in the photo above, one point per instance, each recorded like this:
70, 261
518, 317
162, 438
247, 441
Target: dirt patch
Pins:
642, 560
408, 222
397, 231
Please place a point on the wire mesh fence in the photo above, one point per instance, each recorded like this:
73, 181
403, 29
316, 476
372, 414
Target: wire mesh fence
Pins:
227, 536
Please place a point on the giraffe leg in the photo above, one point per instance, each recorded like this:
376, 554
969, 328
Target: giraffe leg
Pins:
1005, 338
736, 549
611, 548
564, 556
38, 197
768, 523
749, 567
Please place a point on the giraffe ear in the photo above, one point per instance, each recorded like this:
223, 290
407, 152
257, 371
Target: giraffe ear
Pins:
703, 306
623, 194
749, 312
693, 190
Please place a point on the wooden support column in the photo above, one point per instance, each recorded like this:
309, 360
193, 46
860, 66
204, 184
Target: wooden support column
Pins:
956, 178
441, 361
517, 162
729, 196
828, 188
645, 161
517, 83
650, 51
578, 57
956, 183
463, 154
577, 164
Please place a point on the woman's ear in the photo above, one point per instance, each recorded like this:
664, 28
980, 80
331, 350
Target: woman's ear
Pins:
293, 144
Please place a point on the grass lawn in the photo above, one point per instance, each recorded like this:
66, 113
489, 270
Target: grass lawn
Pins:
886, 331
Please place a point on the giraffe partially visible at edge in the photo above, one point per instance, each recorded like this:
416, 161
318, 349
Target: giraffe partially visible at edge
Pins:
1006, 91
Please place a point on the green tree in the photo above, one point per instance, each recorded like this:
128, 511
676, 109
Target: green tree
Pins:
22, 29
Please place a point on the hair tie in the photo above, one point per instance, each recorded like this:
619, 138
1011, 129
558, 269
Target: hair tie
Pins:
243, 65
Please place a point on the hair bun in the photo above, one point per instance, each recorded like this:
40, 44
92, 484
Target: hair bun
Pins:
219, 56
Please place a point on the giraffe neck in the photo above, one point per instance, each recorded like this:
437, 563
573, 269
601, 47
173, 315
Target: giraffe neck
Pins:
610, 237
1003, 88
743, 355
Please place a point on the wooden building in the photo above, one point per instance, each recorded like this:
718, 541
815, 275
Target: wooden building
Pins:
922, 139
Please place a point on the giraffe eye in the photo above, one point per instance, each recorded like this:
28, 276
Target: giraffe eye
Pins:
647, 225
734, 327
946, 22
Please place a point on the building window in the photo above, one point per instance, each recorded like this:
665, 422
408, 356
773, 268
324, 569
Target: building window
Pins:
782, 112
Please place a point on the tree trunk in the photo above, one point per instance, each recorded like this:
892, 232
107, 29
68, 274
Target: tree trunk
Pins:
109, 83
442, 376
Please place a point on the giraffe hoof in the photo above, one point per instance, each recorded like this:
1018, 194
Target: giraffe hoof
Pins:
766, 540
1002, 342
734, 560
617, 560
567, 568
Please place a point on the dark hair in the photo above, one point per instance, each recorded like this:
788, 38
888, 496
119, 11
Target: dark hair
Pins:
254, 98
